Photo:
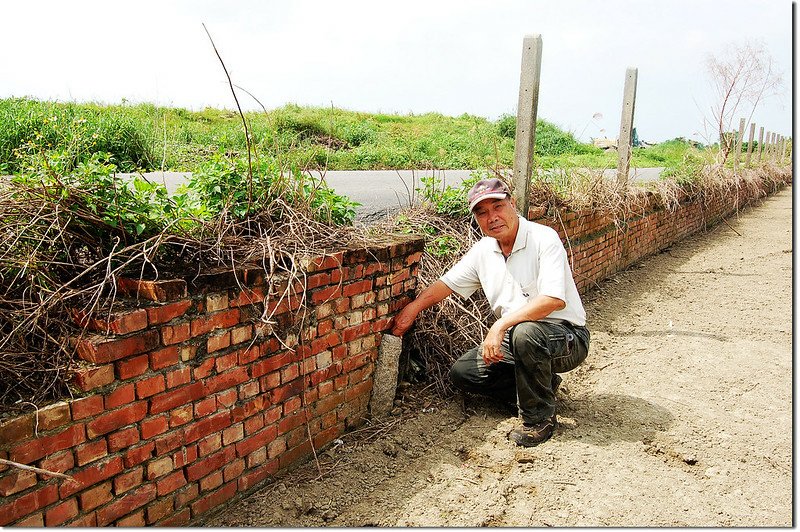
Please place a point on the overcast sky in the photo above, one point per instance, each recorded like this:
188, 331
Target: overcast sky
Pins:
445, 56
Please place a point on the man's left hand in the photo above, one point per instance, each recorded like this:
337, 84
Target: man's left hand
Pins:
492, 351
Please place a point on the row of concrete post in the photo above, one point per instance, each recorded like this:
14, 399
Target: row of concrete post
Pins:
772, 149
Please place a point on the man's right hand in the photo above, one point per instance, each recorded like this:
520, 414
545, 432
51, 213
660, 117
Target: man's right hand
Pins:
427, 298
404, 320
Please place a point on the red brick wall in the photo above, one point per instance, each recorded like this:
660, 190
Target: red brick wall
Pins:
191, 399
601, 244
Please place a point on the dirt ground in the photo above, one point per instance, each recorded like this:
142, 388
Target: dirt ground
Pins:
681, 415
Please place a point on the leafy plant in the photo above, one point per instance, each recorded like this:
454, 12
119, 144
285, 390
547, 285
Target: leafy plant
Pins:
447, 200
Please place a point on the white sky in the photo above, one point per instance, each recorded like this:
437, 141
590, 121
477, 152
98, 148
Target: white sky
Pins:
446, 56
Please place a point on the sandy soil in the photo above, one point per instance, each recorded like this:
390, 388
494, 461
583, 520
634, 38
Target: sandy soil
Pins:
681, 415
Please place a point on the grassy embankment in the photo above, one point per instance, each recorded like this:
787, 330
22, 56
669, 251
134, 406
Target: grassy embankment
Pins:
147, 137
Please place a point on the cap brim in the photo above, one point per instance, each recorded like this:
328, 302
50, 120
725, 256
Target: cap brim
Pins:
494, 195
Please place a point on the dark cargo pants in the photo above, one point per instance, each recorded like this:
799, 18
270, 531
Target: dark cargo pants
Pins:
534, 352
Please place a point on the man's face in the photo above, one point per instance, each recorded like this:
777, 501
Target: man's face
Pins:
497, 218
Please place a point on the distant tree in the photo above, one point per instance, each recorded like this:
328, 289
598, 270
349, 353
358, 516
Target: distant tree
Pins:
741, 78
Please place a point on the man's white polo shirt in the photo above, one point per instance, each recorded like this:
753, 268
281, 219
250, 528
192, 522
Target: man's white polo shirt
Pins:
537, 265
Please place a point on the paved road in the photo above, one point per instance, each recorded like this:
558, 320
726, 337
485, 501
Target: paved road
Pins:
382, 191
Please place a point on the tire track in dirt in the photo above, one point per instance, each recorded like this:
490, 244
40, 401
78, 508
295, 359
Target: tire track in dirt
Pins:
681, 415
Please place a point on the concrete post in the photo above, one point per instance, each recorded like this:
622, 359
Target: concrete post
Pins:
760, 143
750, 144
526, 118
385, 377
626, 126
766, 145
738, 148
772, 150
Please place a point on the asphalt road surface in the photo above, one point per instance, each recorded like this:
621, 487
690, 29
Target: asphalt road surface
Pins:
381, 192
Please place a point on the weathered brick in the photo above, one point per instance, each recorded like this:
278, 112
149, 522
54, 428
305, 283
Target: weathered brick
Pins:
34, 520
30, 451
159, 467
137, 455
220, 320
181, 415
164, 358
126, 504
218, 342
16, 481
170, 483
175, 334
176, 397
161, 291
128, 480
207, 425
90, 378
168, 442
101, 350
207, 465
91, 475
159, 509
121, 395
89, 452
251, 443
177, 519
18, 429
132, 367
178, 377
122, 439
186, 455
53, 416
168, 312
26, 504
84, 407
153, 426
135, 519
148, 387
241, 334
248, 480
96, 496
115, 419
226, 380
322, 295
216, 302
61, 512
212, 481
214, 499
58, 462
248, 296
232, 434
210, 444
205, 406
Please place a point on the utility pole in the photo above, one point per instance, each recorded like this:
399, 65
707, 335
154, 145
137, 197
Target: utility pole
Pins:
526, 118
626, 126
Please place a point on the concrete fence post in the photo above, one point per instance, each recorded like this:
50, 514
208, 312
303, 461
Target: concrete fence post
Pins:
760, 143
526, 118
750, 144
737, 154
772, 150
767, 145
626, 126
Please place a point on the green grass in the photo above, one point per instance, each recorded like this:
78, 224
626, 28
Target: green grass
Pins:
146, 137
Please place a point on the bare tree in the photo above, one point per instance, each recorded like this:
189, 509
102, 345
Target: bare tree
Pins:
741, 78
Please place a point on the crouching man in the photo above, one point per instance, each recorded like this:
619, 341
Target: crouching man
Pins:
540, 332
